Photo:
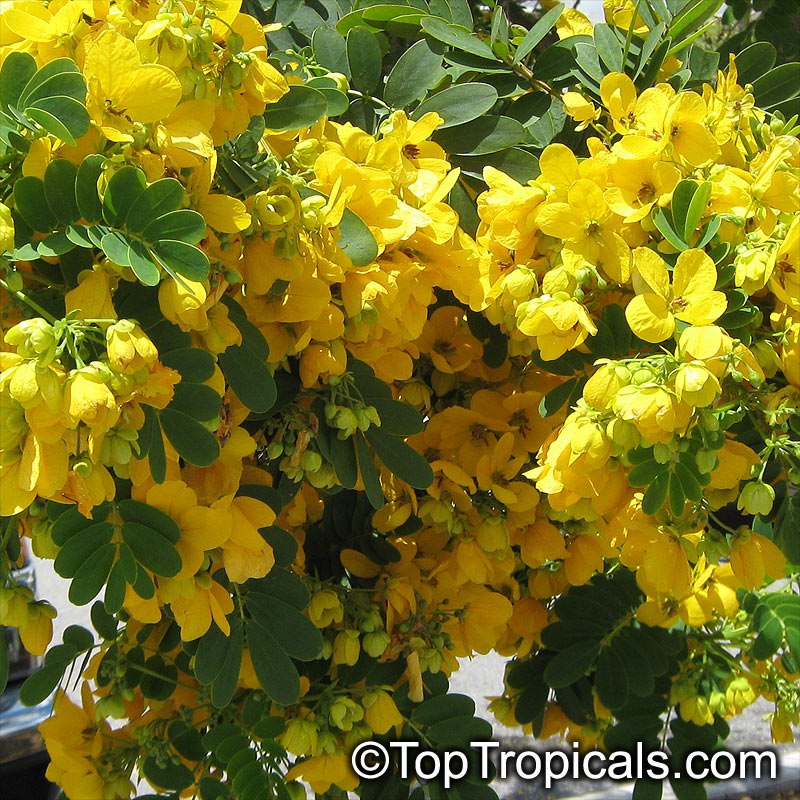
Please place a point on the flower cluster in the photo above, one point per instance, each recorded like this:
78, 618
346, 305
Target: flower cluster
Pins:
316, 441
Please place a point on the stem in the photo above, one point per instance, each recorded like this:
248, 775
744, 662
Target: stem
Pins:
375, 100
22, 297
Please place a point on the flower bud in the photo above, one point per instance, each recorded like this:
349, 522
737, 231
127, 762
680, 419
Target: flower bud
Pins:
756, 498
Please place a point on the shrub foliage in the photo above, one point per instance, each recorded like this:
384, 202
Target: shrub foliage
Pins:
343, 340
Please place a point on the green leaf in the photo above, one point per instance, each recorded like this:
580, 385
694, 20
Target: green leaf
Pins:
209, 659
489, 134
555, 398
400, 459
68, 524
283, 544
103, 622
535, 35
224, 686
151, 444
356, 239
293, 631
198, 401
692, 16
31, 203
86, 193
192, 441
398, 418
248, 377
330, 50
608, 47
647, 789
284, 585
443, 707
459, 104
369, 473
60, 76
182, 258
754, 61
415, 72
143, 266
456, 36
677, 497
663, 224
779, 84
459, 731
364, 58
643, 474
566, 667
682, 197
59, 188
63, 117
78, 548
56, 245
184, 225
194, 365
166, 774
159, 198
343, 457
651, 42
186, 740
611, 680
338, 102
116, 246
18, 68
152, 550
300, 107
91, 576
39, 686
159, 682
499, 30
123, 190
517, 163
656, 494
274, 669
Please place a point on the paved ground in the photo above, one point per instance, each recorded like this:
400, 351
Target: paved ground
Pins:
482, 678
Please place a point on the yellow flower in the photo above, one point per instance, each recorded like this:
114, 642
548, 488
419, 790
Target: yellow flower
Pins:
6, 229
196, 602
381, 713
448, 341
755, 558
640, 184
184, 303
558, 324
325, 608
129, 348
122, 91
88, 399
481, 620
691, 140
655, 412
202, 529
323, 771
346, 647
589, 226
246, 554
573, 23
579, 108
691, 297
37, 631
696, 385
91, 298
622, 13
300, 737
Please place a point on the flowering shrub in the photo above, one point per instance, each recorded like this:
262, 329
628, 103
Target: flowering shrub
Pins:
328, 358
